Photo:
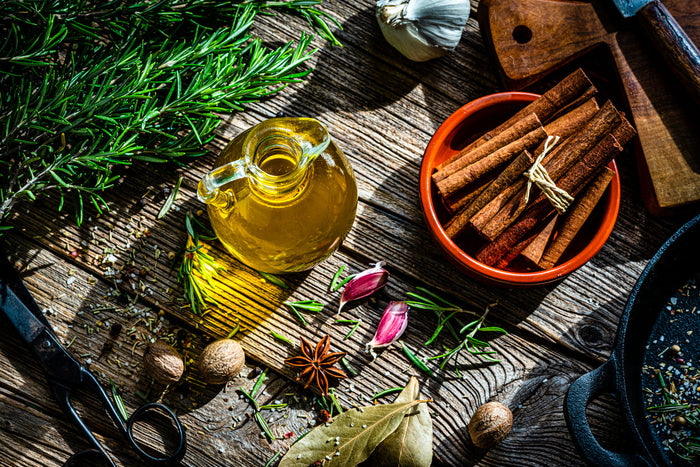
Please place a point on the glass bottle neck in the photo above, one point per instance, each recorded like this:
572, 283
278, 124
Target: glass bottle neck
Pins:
279, 166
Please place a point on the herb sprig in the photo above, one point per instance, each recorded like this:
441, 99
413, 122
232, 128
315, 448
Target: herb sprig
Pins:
96, 86
197, 266
465, 334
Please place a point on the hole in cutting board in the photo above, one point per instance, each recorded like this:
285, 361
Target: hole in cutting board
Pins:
522, 34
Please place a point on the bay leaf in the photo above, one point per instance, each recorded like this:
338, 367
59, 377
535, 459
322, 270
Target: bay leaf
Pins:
350, 438
411, 445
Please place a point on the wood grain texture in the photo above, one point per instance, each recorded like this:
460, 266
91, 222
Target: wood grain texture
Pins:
665, 118
381, 110
530, 379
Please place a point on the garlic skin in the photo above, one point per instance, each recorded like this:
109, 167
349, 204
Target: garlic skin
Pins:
364, 284
422, 29
392, 325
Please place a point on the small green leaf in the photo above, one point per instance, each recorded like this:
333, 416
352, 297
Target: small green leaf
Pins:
171, 199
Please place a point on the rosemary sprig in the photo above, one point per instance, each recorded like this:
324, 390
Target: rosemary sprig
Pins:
465, 334
98, 85
337, 282
351, 369
197, 265
281, 337
274, 279
257, 416
273, 459
415, 360
385, 392
356, 323
308, 305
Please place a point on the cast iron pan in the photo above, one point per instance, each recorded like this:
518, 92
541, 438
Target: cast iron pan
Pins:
672, 266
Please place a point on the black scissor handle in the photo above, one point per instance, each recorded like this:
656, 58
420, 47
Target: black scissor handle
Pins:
141, 414
86, 380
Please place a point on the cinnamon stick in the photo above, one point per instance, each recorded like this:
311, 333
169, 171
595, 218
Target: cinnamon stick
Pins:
575, 218
504, 180
572, 121
464, 197
485, 214
516, 131
478, 169
563, 126
559, 97
535, 250
572, 183
522, 246
558, 162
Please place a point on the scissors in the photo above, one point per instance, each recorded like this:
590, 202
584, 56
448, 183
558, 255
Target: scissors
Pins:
66, 375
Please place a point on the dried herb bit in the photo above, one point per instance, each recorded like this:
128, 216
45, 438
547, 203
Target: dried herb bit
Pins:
308, 305
316, 365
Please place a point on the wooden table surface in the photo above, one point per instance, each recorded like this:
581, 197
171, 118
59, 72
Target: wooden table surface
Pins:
382, 110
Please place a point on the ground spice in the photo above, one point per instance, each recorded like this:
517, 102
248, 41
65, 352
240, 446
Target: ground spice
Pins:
671, 377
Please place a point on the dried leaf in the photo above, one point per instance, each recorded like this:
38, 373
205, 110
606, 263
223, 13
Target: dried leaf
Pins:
350, 438
411, 445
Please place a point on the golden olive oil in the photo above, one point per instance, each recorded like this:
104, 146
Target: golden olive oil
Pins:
288, 213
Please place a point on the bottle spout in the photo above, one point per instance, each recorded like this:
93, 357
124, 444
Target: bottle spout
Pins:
315, 137
209, 188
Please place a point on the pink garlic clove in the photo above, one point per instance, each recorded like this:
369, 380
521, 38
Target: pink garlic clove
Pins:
391, 326
364, 284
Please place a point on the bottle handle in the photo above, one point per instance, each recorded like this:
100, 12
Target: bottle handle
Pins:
208, 190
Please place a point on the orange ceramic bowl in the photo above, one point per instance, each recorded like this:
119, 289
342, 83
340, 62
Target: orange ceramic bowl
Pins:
465, 125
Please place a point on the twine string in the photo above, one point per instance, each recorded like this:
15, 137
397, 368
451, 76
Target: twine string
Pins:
537, 174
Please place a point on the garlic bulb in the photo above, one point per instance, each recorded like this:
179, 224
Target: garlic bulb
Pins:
422, 29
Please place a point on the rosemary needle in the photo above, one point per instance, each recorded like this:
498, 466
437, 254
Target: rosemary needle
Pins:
171, 199
281, 337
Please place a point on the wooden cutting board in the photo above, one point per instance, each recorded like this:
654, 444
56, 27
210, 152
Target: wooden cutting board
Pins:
531, 38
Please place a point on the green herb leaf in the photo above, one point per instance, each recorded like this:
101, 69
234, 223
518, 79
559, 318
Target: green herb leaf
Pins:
274, 279
416, 361
171, 199
118, 401
358, 433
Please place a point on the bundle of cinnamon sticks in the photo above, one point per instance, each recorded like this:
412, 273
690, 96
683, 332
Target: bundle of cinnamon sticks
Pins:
486, 189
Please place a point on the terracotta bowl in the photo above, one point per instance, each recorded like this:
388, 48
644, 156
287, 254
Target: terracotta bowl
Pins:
462, 127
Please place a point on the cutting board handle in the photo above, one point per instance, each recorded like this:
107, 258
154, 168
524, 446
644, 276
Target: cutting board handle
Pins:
675, 46
530, 38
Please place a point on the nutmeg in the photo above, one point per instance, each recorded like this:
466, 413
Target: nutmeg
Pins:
163, 363
490, 424
221, 361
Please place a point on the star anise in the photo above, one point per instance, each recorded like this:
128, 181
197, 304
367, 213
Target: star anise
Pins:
316, 365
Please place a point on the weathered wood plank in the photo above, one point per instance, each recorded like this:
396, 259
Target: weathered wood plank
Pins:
531, 379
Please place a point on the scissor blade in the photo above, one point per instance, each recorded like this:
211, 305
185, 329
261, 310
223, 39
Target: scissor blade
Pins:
23, 319
629, 8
